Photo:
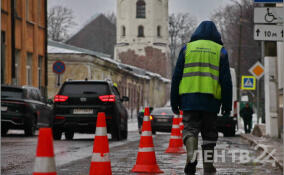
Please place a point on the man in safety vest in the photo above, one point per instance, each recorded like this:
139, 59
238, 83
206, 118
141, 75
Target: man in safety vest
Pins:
201, 83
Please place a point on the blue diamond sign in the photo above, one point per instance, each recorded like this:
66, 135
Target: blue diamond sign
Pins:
248, 83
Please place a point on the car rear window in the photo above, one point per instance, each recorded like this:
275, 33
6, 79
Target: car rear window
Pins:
11, 92
85, 88
162, 111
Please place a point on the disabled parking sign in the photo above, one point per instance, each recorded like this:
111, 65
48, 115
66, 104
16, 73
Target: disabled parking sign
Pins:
248, 83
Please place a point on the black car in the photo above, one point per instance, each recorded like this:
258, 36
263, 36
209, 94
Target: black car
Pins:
23, 108
162, 119
77, 104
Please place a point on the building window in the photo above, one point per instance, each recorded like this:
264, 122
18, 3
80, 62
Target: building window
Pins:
3, 49
123, 31
29, 69
140, 9
159, 31
18, 67
140, 31
39, 69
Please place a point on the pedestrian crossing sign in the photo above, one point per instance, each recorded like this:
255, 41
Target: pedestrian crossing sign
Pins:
248, 83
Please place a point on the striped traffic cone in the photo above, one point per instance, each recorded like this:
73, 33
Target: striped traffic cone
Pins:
44, 161
100, 164
175, 144
181, 126
146, 158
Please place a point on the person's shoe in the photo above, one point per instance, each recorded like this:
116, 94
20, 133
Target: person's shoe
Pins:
191, 144
190, 168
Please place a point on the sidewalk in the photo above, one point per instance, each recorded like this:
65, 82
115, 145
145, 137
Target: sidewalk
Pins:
272, 147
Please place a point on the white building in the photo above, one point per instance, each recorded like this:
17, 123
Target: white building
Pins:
142, 34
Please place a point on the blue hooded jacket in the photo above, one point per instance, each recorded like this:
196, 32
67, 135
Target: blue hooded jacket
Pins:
198, 101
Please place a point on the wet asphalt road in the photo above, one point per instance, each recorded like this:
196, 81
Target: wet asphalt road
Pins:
74, 157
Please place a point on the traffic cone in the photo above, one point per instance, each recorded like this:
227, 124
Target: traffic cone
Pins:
175, 144
44, 161
146, 158
100, 164
181, 126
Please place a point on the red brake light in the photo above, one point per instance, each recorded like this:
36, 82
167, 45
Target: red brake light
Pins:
163, 113
107, 98
59, 117
60, 98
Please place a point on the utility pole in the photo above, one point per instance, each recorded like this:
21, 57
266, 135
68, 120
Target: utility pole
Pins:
239, 52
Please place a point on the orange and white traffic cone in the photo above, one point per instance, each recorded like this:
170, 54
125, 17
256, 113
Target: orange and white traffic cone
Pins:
181, 126
44, 161
100, 164
146, 158
176, 144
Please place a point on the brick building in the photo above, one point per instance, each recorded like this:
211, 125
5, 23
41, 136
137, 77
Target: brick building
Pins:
143, 88
142, 35
23, 42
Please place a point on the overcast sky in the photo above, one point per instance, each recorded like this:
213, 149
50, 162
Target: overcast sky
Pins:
85, 9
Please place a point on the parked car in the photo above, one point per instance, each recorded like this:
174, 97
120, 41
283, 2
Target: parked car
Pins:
22, 108
77, 104
162, 119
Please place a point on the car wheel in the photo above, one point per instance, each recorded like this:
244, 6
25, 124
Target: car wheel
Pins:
69, 135
153, 132
57, 134
31, 127
116, 132
125, 133
4, 131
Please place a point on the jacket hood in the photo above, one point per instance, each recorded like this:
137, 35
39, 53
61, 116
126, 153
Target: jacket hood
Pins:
207, 30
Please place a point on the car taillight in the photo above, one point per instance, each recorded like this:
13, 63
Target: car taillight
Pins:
107, 98
151, 117
59, 117
60, 98
163, 113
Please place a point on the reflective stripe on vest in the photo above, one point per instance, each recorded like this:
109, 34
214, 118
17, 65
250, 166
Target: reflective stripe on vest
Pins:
201, 68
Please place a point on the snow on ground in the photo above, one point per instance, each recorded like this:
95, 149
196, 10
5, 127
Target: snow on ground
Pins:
133, 124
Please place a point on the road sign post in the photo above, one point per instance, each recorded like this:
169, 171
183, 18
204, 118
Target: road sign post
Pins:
268, 32
58, 67
257, 70
268, 15
248, 83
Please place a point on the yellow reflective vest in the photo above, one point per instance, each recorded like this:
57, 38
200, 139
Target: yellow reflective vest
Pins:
201, 68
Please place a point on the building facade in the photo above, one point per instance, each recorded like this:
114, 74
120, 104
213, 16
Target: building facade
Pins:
23, 42
142, 35
143, 88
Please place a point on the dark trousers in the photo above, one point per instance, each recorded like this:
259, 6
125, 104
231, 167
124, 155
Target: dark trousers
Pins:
247, 126
200, 121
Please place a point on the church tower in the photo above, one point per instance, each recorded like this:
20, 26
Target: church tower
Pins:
142, 35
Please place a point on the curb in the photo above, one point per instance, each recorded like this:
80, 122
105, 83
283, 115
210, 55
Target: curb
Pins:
261, 148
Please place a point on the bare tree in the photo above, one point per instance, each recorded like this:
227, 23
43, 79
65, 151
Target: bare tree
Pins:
228, 20
111, 17
181, 26
60, 20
